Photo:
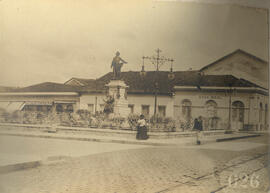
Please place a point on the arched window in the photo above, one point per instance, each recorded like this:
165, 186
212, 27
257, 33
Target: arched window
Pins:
186, 109
238, 111
211, 108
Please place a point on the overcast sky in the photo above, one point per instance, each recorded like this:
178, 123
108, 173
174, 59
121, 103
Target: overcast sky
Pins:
54, 40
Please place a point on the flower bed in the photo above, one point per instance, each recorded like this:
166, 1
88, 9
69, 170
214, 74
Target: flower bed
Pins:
83, 118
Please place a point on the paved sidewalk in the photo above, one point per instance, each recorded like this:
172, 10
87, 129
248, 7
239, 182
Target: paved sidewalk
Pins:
115, 139
102, 131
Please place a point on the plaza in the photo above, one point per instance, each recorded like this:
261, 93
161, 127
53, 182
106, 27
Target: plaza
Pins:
135, 96
231, 92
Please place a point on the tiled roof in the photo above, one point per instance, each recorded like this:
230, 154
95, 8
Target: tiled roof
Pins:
146, 84
82, 81
213, 80
49, 87
6, 89
138, 84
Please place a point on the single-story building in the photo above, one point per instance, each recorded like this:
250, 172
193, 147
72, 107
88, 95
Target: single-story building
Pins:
225, 92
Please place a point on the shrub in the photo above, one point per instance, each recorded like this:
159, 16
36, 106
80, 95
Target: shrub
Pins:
132, 120
228, 132
15, 116
118, 119
163, 124
94, 122
26, 117
4, 115
40, 117
114, 122
156, 119
107, 124
81, 119
53, 117
186, 124
169, 124
66, 119
84, 114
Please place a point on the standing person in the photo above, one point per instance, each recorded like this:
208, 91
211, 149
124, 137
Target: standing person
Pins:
200, 123
141, 128
198, 127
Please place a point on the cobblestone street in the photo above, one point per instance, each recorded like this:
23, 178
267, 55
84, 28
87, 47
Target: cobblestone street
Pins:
148, 169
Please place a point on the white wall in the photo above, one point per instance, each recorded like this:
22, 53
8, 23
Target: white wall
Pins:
136, 100
255, 113
241, 66
198, 99
141, 99
174, 104
95, 99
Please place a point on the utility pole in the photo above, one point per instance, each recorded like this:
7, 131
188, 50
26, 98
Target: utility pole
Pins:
157, 61
230, 109
230, 92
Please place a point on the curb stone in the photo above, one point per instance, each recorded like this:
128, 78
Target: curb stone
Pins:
235, 138
19, 166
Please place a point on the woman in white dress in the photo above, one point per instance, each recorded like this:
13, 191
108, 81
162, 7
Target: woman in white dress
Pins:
142, 129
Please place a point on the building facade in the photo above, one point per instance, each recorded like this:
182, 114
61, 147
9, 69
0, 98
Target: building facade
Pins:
221, 96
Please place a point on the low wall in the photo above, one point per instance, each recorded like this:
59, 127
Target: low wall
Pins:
101, 132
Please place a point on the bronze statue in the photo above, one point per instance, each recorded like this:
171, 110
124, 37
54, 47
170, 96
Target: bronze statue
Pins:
117, 64
108, 108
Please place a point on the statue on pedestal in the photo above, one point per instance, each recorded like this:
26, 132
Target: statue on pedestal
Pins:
117, 64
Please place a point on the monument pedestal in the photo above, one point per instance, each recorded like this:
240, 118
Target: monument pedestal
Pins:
117, 89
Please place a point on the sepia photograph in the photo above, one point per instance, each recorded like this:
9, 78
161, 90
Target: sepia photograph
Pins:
138, 96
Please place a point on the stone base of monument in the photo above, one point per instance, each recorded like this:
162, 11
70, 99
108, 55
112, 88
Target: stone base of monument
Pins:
117, 89
121, 109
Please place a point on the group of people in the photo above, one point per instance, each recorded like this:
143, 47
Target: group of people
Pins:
142, 129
